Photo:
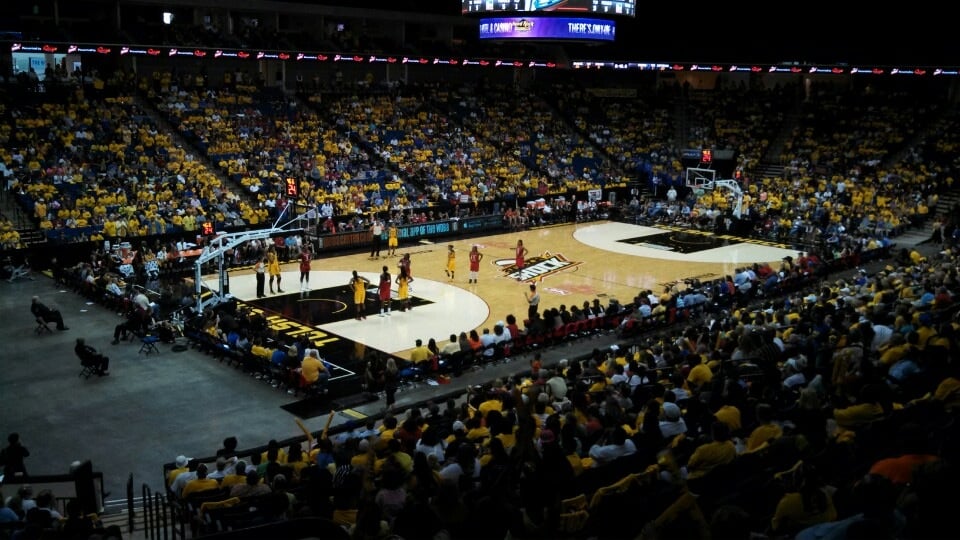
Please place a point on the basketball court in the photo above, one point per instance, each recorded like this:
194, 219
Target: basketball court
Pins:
570, 264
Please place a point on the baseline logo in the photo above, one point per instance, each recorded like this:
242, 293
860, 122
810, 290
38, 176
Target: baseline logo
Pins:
294, 329
536, 268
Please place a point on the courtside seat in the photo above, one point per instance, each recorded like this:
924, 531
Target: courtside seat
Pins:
234, 357
488, 354
514, 346
582, 328
630, 328
280, 376
411, 373
149, 345
533, 341
457, 362
86, 371
252, 364
317, 388
410, 377
592, 326
42, 327
557, 335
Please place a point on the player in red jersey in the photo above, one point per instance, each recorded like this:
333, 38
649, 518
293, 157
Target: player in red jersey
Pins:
521, 253
305, 256
475, 258
384, 291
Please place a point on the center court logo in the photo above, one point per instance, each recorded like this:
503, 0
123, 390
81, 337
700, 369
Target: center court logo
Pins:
537, 267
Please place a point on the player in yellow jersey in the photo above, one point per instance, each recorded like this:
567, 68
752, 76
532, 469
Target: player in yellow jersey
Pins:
451, 262
273, 268
403, 289
392, 240
358, 284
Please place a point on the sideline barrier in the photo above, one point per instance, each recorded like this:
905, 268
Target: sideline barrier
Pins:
84, 485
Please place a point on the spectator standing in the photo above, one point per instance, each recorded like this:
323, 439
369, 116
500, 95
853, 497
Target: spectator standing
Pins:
535, 365
391, 380
13, 455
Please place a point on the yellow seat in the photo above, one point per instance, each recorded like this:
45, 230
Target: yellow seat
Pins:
684, 509
218, 505
573, 514
624, 484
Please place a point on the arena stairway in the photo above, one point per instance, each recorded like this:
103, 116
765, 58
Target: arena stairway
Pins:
914, 235
947, 203
30, 234
200, 155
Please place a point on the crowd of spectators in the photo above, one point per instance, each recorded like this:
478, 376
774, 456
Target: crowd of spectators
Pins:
796, 412
632, 127
823, 198
98, 168
9, 235
256, 33
830, 409
526, 127
405, 148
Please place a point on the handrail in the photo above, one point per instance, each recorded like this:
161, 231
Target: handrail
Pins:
131, 510
161, 516
148, 516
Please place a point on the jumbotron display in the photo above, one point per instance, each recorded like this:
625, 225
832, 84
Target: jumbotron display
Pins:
600, 7
536, 28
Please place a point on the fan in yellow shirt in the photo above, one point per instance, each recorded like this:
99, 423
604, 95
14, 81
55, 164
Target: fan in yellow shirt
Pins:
766, 431
708, 456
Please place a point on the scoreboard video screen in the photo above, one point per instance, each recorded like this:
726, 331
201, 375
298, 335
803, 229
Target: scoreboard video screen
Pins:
600, 7
538, 28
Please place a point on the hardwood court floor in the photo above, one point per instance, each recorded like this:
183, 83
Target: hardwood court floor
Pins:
570, 264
